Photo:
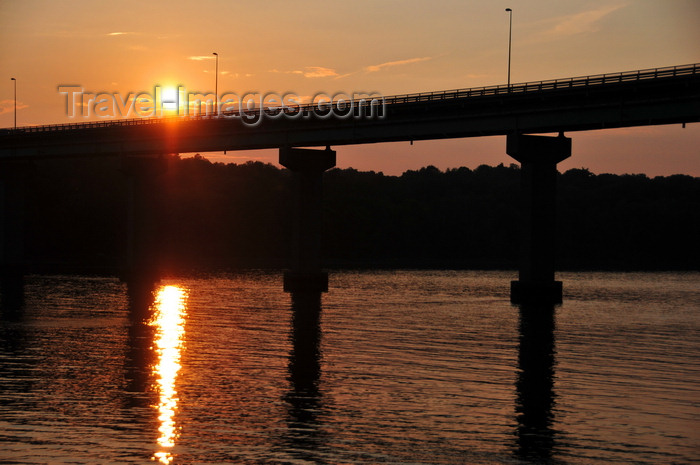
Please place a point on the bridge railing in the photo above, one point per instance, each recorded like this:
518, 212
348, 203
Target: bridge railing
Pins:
536, 86
503, 90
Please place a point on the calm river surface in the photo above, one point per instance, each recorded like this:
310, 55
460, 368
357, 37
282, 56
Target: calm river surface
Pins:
411, 367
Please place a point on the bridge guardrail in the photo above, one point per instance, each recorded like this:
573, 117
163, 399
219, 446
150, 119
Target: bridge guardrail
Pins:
519, 88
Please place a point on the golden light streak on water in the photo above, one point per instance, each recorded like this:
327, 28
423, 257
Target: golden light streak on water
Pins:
169, 319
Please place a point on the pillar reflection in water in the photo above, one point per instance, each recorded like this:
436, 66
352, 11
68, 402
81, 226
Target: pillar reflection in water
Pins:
169, 313
304, 397
12, 298
535, 384
140, 356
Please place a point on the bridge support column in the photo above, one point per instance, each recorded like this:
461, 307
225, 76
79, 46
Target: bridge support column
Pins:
13, 187
141, 257
538, 156
308, 166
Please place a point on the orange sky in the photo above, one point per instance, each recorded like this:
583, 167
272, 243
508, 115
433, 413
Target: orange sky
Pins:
386, 46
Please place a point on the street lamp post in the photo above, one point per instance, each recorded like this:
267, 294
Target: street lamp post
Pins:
510, 36
216, 83
15, 82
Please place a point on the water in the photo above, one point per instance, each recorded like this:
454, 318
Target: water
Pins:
414, 367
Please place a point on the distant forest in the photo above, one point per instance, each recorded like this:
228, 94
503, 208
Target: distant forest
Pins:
228, 216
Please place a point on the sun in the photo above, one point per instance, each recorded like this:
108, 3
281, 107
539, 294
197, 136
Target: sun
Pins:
170, 98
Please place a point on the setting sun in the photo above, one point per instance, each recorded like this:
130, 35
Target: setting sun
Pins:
170, 99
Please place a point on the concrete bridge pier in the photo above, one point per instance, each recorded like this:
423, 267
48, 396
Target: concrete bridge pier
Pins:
13, 187
538, 156
307, 166
140, 263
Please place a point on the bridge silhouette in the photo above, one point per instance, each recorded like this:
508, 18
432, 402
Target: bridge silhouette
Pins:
521, 111
635, 98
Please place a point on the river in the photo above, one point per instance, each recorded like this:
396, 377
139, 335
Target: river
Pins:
410, 367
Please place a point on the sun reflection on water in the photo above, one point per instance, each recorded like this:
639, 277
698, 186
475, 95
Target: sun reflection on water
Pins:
169, 320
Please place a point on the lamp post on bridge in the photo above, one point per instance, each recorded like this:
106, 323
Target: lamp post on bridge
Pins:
216, 84
510, 36
15, 100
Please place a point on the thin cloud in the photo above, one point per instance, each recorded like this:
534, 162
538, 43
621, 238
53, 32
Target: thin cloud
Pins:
580, 23
201, 57
8, 106
390, 64
341, 76
318, 71
277, 71
304, 99
233, 75
311, 72
120, 33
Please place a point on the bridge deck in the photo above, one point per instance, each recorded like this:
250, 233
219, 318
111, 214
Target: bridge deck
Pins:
644, 97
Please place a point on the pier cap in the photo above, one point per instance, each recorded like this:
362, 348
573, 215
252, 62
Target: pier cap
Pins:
531, 149
307, 159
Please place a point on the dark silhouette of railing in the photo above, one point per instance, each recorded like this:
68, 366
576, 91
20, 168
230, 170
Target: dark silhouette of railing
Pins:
537, 86
368, 102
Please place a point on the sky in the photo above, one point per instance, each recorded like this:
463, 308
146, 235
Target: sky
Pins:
384, 46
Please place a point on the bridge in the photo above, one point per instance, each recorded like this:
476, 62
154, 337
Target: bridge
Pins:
636, 98
658, 96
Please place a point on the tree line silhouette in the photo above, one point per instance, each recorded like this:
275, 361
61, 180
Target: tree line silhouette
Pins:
227, 216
